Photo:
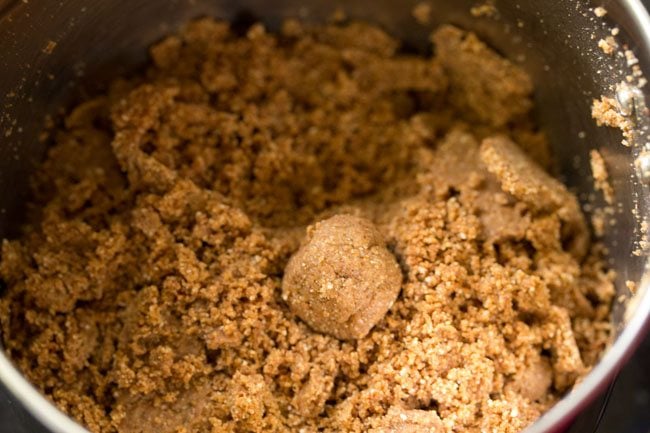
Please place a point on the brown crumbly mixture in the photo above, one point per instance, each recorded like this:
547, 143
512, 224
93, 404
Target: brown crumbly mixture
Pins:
145, 293
607, 112
342, 280
608, 45
601, 176
601, 217
631, 285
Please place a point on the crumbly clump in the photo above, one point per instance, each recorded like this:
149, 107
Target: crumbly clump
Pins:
607, 112
601, 176
485, 9
600, 11
342, 280
145, 293
608, 45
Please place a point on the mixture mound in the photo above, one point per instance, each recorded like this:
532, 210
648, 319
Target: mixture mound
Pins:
145, 294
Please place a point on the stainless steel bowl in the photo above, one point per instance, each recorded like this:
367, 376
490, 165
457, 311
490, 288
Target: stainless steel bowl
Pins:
556, 41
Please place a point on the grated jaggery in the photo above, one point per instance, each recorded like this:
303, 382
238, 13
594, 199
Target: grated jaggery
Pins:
145, 293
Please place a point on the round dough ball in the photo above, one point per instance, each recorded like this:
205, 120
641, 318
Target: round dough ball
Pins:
342, 280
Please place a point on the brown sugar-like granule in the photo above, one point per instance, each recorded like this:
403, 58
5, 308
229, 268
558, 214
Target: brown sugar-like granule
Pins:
145, 293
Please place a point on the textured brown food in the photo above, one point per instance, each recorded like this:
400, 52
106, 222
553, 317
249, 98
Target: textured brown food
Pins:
144, 294
601, 176
342, 280
607, 112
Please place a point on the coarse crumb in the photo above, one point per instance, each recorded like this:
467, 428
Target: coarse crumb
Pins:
422, 13
409, 421
342, 280
49, 47
600, 11
599, 222
500, 94
631, 285
630, 58
145, 293
601, 176
608, 45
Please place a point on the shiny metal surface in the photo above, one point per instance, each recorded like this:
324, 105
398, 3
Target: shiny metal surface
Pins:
556, 41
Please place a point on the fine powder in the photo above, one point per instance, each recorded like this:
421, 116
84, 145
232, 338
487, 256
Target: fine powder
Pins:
145, 293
